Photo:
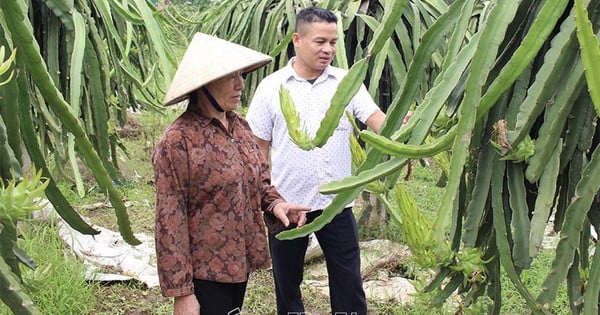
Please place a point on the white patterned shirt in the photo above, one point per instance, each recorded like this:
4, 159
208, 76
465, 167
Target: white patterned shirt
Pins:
297, 173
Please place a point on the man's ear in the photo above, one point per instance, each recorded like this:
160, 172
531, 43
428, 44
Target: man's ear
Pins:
295, 39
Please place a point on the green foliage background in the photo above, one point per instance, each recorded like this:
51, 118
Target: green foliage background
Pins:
501, 87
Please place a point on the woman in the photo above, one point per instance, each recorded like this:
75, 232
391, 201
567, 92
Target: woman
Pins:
212, 184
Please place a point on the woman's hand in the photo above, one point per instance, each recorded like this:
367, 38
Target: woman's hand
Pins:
290, 213
186, 305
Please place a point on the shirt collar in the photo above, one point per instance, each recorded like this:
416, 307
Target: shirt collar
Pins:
205, 121
291, 73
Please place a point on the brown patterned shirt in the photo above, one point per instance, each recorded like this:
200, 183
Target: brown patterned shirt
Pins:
212, 185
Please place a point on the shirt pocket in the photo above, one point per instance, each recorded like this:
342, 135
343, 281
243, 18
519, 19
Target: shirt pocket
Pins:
251, 151
251, 156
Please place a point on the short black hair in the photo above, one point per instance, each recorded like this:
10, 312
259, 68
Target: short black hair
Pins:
314, 14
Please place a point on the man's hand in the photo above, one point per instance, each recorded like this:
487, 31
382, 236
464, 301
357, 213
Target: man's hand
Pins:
290, 213
186, 305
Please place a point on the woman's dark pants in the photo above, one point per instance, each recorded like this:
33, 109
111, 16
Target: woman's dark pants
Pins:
217, 298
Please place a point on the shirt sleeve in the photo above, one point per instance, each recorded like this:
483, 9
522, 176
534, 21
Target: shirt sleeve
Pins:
170, 162
363, 105
259, 114
270, 196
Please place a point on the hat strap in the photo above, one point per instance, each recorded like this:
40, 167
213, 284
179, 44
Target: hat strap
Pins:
212, 100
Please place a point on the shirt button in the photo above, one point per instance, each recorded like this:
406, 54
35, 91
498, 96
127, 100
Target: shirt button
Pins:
232, 140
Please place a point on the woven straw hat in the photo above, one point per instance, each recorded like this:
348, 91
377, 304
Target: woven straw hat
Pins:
209, 58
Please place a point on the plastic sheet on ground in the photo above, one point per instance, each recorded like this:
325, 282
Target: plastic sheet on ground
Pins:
107, 255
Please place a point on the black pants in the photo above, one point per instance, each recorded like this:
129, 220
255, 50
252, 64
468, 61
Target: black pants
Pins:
339, 242
217, 298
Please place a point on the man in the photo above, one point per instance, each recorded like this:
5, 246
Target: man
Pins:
297, 174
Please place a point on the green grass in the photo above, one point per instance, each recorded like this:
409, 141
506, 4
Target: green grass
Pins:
58, 286
532, 279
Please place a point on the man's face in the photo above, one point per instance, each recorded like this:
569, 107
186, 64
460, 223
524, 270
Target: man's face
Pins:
315, 47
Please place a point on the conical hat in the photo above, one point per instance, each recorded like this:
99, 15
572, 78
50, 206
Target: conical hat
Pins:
208, 58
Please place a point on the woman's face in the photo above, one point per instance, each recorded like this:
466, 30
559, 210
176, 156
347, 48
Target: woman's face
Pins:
227, 90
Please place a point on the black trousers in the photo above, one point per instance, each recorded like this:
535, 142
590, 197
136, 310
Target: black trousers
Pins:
339, 242
217, 298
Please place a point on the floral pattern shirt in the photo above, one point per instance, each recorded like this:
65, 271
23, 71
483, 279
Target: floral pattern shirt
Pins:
212, 186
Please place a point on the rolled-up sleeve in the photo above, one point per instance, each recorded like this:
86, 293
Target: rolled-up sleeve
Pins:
363, 105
